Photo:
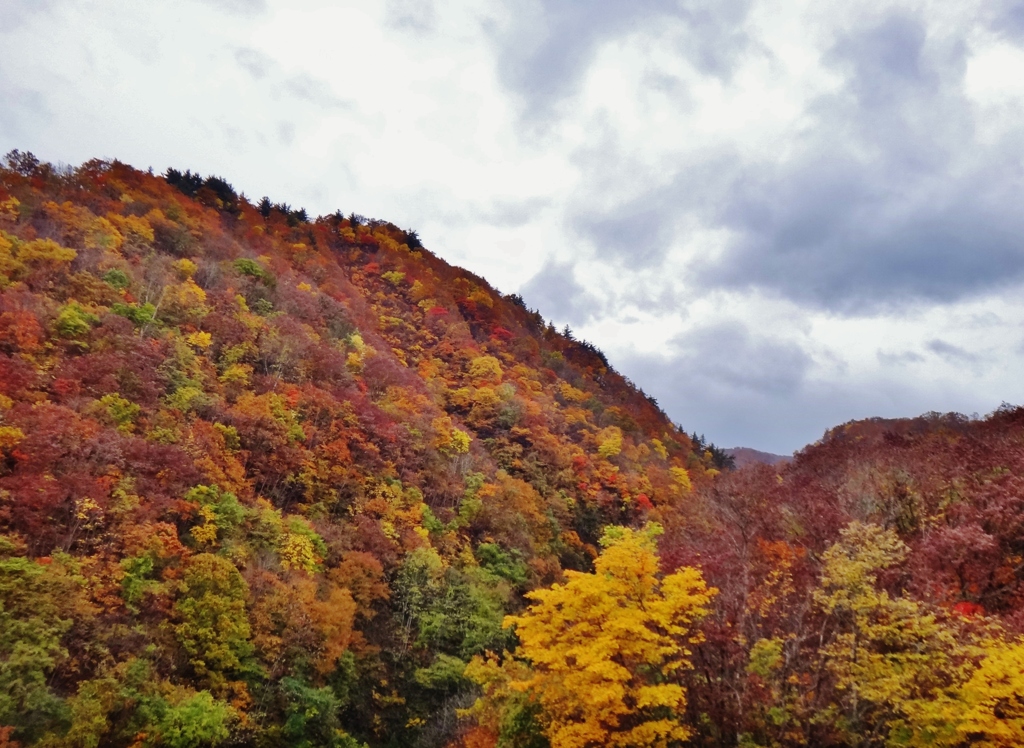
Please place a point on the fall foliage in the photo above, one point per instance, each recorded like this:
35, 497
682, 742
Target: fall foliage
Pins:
268, 479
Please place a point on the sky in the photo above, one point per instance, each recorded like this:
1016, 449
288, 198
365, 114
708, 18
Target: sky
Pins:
774, 216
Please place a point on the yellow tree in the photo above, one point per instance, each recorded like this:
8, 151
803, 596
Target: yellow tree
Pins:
607, 649
886, 653
985, 710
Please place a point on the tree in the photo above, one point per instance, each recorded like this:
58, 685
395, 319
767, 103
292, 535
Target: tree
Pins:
213, 628
607, 649
985, 710
885, 651
31, 630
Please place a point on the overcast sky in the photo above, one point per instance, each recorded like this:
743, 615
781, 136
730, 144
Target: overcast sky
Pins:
773, 215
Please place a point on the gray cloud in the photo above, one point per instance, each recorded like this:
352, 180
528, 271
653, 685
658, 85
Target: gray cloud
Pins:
732, 386
887, 200
1007, 18
286, 133
727, 357
954, 354
512, 213
314, 91
908, 222
741, 390
415, 15
242, 7
14, 13
21, 112
556, 292
900, 359
549, 47
254, 62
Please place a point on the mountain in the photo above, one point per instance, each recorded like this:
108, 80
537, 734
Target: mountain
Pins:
743, 456
275, 480
254, 464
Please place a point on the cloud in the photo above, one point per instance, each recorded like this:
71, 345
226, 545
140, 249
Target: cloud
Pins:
414, 15
561, 297
899, 359
883, 197
1007, 19
733, 386
315, 91
546, 48
952, 353
241, 7
22, 110
824, 198
726, 356
254, 62
15, 13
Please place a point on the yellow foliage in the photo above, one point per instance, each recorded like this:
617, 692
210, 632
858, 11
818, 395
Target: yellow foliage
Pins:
609, 442
9, 265
680, 480
9, 209
185, 268
888, 652
187, 299
449, 440
571, 394
10, 437
45, 253
993, 699
485, 369
236, 374
206, 533
418, 291
659, 449
607, 649
102, 234
201, 340
132, 227
296, 552
983, 709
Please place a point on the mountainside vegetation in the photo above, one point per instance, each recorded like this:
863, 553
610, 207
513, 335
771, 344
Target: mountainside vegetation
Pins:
275, 480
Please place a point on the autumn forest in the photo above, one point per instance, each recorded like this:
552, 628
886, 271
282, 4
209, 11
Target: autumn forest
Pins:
270, 479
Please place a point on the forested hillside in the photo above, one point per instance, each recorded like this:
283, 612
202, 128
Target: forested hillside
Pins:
276, 477
275, 480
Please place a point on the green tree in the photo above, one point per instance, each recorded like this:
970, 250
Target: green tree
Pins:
213, 627
31, 629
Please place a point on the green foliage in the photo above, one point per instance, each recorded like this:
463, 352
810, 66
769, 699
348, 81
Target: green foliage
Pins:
199, 720
32, 626
117, 278
312, 717
73, 321
220, 510
253, 269
138, 580
213, 627
445, 673
121, 411
139, 314
502, 563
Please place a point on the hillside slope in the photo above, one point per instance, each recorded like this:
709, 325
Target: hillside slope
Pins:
278, 481
255, 466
